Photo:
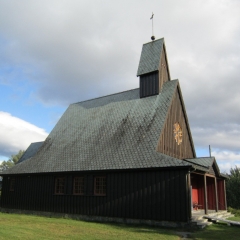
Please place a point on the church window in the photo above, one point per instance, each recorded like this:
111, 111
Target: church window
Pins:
100, 185
78, 186
12, 184
59, 185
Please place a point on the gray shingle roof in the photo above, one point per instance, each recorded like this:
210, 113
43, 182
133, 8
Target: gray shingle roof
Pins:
150, 57
119, 131
205, 164
31, 151
203, 161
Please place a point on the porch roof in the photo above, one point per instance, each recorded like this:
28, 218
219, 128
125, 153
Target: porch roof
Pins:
205, 162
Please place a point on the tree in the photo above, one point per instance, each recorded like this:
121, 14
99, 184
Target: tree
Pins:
233, 188
11, 161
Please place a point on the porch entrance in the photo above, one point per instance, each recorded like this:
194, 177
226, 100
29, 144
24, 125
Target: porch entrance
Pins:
208, 192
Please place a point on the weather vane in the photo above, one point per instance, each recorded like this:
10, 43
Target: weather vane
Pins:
153, 38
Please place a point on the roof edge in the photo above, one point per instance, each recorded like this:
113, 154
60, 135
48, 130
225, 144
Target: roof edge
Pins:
104, 96
186, 117
155, 41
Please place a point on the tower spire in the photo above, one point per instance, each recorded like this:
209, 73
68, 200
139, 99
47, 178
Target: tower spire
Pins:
153, 38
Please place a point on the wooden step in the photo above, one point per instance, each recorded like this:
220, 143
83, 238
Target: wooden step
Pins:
216, 219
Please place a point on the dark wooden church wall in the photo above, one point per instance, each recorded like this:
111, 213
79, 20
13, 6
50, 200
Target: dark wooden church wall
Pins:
156, 195
167, 143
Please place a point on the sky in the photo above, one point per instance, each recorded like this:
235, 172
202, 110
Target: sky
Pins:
54, 53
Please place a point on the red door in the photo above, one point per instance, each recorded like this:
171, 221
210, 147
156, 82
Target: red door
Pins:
195, 195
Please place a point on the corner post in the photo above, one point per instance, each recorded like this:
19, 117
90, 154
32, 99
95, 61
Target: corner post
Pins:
189, 194
205, 194
225, 195
216, 193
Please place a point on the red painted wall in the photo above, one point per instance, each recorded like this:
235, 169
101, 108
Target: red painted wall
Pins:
221, 195
211, 193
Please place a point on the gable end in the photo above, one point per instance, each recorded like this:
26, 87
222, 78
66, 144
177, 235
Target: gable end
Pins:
168, 143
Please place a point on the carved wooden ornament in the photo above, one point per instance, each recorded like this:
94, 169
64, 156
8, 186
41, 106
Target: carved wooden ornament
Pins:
177, 133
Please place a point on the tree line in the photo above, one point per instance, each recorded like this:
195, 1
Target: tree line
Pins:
233, 188
13, 160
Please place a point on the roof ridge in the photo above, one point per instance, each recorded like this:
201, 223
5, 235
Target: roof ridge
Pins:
155, 40
104, 96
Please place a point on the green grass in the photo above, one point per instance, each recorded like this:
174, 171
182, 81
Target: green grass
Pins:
18, 226
234, 219
219, 231
234, 211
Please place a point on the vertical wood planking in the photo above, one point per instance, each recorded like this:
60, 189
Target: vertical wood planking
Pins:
163, 193
163, 74
167, 143
155, 195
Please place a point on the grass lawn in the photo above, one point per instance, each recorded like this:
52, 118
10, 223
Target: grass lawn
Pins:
234, 219
219, 231
19, 226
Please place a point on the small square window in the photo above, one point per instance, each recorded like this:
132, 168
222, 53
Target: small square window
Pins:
59, 185
12, 184
78, 186
100, 186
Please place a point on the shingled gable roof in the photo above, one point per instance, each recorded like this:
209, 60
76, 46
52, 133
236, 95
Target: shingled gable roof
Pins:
206, 163
31, 151
203, 161
151, 57
119, 131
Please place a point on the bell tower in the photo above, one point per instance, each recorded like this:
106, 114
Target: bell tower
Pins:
153, 68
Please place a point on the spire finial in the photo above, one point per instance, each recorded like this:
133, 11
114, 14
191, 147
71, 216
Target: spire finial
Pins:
153, 38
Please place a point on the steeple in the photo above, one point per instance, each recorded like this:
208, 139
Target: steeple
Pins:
153, 68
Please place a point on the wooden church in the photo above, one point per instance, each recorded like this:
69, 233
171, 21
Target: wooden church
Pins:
129, 155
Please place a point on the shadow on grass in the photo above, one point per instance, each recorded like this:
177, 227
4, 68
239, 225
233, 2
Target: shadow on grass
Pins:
137, 228
35, 227
218, 230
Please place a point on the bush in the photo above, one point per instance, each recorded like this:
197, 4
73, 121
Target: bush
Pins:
234, 211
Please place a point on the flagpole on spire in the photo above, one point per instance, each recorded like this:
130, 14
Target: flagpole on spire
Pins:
153, 38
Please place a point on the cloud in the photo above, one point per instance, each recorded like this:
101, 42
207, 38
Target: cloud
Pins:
76, 50
17, 134
219, 136
227, 160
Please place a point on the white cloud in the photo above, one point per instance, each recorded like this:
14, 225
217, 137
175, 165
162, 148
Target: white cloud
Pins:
17, 134
220, 136
77, 50
227, 160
